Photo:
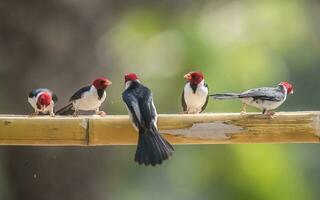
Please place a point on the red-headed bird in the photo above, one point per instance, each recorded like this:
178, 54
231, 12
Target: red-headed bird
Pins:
152, 147
87, 98
42, 100
265, 98
195, 93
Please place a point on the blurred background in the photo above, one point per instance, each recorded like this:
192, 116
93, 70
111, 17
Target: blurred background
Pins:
64, 44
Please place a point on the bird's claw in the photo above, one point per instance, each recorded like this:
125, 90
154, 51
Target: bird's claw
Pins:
244, 109
101, 113
34, 114
52, 115
271, 114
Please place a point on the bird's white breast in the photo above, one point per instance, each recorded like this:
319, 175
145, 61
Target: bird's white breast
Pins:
89, 100
195, 101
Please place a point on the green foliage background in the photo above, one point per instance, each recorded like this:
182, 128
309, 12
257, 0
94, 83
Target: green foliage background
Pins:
237, 44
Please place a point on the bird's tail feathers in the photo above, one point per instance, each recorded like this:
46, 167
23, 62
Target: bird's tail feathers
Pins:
225, 96
67, 110
152, 148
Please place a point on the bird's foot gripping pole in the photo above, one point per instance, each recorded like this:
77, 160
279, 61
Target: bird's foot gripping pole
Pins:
271, 114
75, 114
101, 113
36, 113
244, 109
52, 114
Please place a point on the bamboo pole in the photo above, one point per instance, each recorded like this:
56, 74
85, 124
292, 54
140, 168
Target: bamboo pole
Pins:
219, 128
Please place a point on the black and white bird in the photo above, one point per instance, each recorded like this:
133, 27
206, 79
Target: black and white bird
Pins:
195, 93
87, 98
265, 98
42, 100
152, 147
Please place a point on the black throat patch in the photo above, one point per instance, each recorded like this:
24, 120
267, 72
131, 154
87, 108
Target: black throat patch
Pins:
100, 93
193, 87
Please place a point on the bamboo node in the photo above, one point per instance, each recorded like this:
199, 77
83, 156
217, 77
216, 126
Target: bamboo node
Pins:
316, 125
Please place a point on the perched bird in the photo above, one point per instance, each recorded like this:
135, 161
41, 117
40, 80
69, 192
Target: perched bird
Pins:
152, 147
195, 93
265, 98
42, 100
87, 98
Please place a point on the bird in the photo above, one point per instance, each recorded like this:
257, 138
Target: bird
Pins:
87, 98
195, 94
266, 99
152, 148
42, 100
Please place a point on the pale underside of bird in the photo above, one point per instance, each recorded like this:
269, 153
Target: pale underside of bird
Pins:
33, 99
87, 98
266, 99
194, 101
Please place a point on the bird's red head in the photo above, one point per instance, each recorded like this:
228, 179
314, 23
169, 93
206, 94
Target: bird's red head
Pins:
101, 83
44, 100
194, 77
130, 77
288, 86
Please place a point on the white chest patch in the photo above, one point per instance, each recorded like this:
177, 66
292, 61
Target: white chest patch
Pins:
89, 100
195, 101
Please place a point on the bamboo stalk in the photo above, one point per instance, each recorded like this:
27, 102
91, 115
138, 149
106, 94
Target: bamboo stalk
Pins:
219, 128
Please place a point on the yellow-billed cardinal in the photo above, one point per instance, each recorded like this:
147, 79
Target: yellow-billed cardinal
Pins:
195, 93
42, 100
152, 147
265, 98
87, 98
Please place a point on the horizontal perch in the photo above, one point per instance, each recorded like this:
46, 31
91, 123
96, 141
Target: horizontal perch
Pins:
218, 128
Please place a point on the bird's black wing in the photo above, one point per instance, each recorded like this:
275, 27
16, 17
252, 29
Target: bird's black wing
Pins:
132, 103
148, 111
35, 92
79, 93
207, 100
269, 94
183, 102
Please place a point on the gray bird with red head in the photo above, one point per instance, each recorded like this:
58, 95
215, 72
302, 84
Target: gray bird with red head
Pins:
42, 100
195, 93
152, 147
87, 98
265, 98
